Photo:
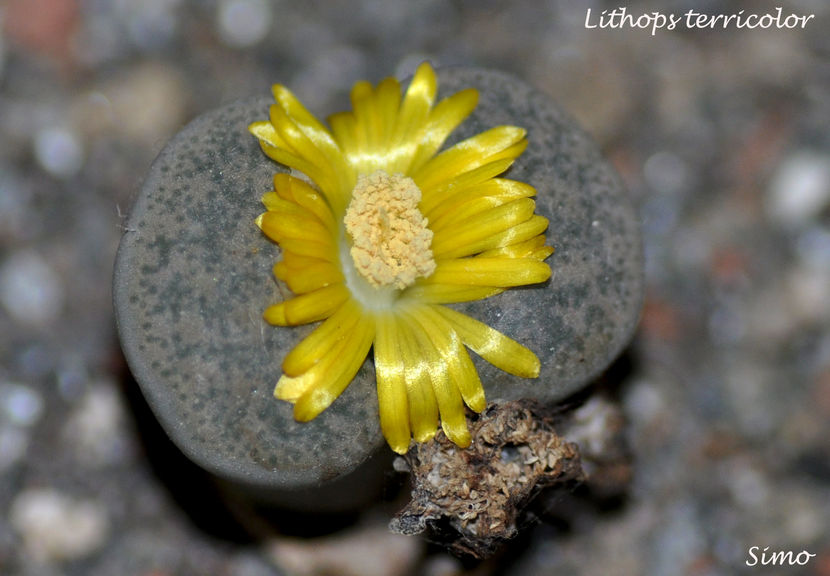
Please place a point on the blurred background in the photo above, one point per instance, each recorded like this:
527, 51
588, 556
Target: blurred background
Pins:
722, 138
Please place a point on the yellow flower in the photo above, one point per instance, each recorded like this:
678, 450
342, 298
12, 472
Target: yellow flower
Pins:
379, 231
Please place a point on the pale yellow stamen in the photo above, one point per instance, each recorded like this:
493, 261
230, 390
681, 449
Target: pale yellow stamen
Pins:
390, 238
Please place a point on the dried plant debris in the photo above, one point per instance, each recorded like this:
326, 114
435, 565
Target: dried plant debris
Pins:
472, 500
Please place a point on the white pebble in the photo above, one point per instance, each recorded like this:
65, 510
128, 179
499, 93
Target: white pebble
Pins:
440, 565
748, 486
144, 104
370, 551
21, 405
800, 188
59, 152
645, 401
151, 23
243, 23
55, 527
30, 289
96, 429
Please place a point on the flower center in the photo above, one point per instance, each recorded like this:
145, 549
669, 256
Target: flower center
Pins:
390, 238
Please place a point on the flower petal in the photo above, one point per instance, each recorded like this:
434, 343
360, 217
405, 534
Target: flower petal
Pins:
267, 134
287, 157
499, 350
443, 119
344, 128
317, 274
423, 407
365, 123
296, 262
316, 345
450, 347
518, 250
388, 103
312, 247
318, 359
541, 253
291, 387
369, 128
497, 272
335, 179
439, 195
366, 135
279, 226
307, 249
467, 202
513, 235
307, 308
391, 384
447, 394
476, 234
385, 132
295, 190
310, 126
533, 248
413, 113
448, 293
339, 374
494, 144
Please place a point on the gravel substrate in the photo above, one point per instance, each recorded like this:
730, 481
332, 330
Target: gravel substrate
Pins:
722, 138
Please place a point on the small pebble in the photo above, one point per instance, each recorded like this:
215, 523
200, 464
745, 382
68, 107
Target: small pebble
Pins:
20, 405
809, 524
644, 401
55, 527
371, 551
151, 23
59, 152
747, 485
800, 188
243, 23
442, 565
96, 428
30, 289
146, 104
